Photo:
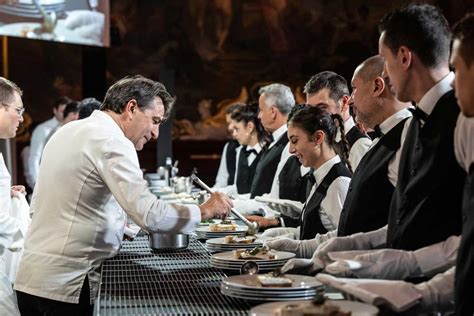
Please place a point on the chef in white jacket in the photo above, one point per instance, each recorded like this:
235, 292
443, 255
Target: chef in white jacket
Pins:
89, 173
11, 230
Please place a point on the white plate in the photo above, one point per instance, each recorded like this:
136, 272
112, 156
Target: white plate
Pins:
221, 243
356, 308
245, 297
238, 229
275, 295
229, 257
300, 282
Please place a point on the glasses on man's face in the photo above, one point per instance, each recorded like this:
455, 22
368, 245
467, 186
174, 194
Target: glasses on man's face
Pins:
19, 111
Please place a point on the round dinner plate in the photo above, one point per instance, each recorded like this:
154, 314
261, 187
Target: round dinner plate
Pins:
300, 282
220, 242
356, 308
205, 229
229, 257
246, 297
274, 295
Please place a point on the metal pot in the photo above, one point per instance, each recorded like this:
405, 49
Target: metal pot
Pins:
165, 242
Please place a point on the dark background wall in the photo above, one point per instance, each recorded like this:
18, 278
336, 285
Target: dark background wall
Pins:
204, 50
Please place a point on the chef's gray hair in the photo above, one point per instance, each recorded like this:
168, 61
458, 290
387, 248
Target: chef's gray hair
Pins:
7, 88
140, 89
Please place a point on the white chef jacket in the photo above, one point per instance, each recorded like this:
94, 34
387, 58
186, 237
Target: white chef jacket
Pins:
11, 236
38, 140
89, 173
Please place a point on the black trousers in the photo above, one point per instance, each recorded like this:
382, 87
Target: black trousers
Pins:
31, 305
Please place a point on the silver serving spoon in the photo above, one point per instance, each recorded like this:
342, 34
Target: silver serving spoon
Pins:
249, 268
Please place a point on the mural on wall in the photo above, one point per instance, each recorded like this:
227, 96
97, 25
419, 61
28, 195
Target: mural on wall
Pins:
208, 51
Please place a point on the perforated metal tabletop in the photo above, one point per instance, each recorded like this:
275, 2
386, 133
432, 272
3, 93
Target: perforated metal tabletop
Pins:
139, 282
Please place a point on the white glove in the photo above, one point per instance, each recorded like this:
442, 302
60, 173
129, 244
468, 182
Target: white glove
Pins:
397, 264
288, 232
286, 207
389, 264
435, 295
302, 248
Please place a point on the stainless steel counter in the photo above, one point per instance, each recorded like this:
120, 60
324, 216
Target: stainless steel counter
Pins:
139, 282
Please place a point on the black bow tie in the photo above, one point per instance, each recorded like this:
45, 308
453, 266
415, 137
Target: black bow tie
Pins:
418, 113
377, 133
311, 178
249, 151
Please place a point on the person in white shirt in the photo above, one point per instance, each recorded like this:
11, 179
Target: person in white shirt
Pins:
70, 113
79, 222
12, 230
251, 136
331, 89
227, 167
38, 140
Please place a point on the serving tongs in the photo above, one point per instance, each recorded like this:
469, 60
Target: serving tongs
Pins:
253, 226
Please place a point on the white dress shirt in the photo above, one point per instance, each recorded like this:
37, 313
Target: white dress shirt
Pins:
38, 140
89, 173
223, 172
232, 189
464, 141
359, 148
331, 205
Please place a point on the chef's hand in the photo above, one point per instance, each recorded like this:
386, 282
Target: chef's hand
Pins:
263, 222
18, 189
217, 206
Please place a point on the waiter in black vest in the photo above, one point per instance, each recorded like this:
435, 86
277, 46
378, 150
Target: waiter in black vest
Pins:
329, 88
275, 103
426, 205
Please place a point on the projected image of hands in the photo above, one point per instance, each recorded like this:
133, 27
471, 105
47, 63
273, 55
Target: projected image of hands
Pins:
83, 22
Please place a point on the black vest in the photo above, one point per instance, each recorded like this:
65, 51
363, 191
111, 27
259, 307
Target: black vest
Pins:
370, 192
310, 222
464, 284
292, 184
426, 203
231, 157
266, 168
354, 134
245, 172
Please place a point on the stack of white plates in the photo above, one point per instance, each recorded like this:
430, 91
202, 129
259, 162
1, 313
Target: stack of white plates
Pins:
226, 260
248, 287
205, 233
356, 308
219, 244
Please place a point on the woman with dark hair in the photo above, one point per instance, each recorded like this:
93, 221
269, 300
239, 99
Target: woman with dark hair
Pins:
249, 132
312, 137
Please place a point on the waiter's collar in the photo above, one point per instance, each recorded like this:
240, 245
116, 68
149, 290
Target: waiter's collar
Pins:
429, 100
393, 120
279, 132
348, 125
323, 170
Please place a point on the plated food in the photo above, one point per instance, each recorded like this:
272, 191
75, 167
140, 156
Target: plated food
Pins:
239, 240
257, 253
223, 226
317, 307
268, 280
